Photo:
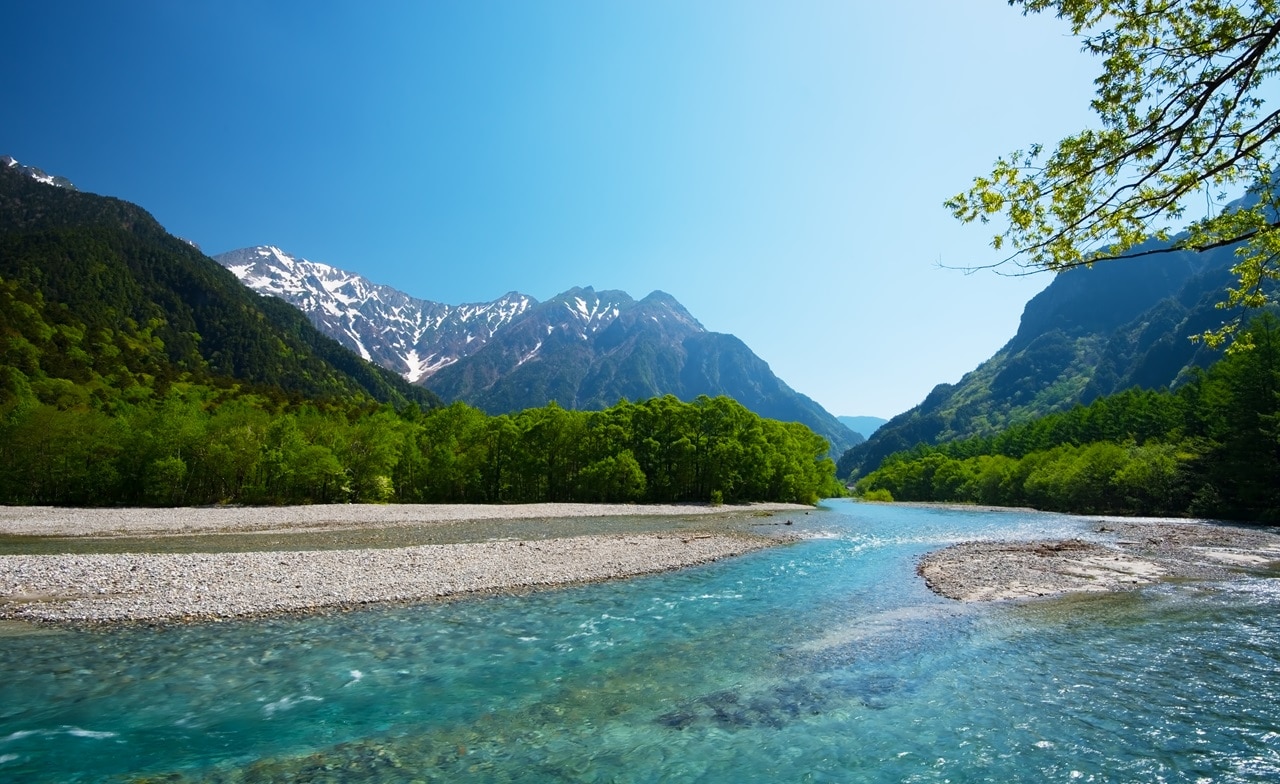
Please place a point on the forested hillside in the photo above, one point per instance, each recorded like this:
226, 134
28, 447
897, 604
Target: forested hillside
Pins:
1093, 332
97, 298
1211, 448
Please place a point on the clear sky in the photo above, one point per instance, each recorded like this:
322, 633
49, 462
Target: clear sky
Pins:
778, 167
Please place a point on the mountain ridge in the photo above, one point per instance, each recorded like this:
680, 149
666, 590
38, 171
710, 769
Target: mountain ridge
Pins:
357, 312
39, 175
583, 348
125, 290
1092, 332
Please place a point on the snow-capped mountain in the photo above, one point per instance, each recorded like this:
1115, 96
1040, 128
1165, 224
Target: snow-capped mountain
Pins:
584, 349
36, 174
565, 349
413, 337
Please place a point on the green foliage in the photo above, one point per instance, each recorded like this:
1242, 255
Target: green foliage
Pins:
618, 478
1210, 449
1181, 107
198, 444
879, 494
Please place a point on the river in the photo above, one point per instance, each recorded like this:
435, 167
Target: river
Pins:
822, 660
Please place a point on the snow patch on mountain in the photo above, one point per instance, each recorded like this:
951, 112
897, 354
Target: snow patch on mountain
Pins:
594, 314
413, 370
530, 355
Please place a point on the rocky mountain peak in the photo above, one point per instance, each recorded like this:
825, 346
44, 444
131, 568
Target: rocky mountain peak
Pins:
36, 174
414, 337
583, 348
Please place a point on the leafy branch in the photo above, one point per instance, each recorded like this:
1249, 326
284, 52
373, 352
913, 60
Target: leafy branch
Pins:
1181, 111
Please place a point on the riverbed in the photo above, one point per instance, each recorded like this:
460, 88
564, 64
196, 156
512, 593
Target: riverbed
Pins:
822, 659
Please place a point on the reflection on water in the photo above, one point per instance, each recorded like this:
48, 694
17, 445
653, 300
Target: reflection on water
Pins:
824, 660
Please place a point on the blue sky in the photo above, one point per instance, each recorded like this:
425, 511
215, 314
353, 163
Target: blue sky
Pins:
777, 167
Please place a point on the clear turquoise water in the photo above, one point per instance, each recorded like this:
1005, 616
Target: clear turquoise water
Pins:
825, 660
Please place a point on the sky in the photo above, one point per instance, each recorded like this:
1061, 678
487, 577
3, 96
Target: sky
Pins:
778, 167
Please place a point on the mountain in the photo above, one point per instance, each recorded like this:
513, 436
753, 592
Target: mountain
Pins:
8, 162
583, 349
413, 337
1092, 332
587, 349
94, 290
862, 425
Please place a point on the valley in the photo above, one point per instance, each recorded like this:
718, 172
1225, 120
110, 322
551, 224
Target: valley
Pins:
445, 392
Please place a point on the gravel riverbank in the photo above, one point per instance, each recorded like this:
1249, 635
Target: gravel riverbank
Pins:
1127, 554
169, 587
63, 521
204, 586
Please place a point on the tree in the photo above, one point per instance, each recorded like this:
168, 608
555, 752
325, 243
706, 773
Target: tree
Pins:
613, 479
1182, 111
1239, 410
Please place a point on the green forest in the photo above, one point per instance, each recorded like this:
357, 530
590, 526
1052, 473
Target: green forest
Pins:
198, 444
1209, 449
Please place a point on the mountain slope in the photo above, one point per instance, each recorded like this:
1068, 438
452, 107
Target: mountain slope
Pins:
1091, 332
545, 355
587, 349
583, 349
116, 283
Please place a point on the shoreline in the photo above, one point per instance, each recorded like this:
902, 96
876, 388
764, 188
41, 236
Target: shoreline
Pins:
1126, 554
115, 588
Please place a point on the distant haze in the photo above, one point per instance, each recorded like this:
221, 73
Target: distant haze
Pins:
863, 425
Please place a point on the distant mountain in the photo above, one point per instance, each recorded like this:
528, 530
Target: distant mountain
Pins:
862, 425
93, 289
588, 349
410, 336
1091, 332
583, 349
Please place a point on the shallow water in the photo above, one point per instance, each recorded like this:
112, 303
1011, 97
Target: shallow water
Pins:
824, 660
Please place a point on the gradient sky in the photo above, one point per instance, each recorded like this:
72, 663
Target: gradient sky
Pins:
778, 167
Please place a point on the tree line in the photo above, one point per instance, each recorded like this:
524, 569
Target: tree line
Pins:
1210, 449
198, 444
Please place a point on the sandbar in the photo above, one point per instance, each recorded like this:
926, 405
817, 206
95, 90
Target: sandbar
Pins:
1120, 554
212, 586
